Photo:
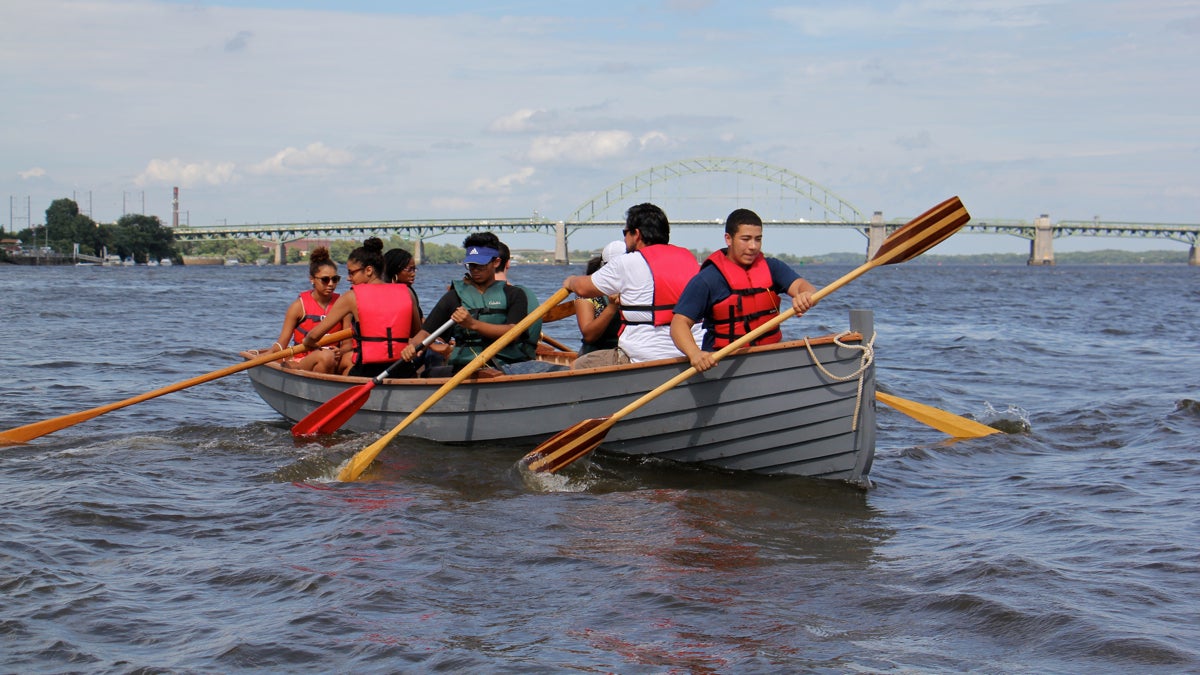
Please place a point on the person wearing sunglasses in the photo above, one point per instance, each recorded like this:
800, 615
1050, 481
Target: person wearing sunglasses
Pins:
648, 277
307, 311
384, 316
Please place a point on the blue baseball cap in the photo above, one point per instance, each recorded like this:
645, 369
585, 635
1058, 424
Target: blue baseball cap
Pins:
480, 255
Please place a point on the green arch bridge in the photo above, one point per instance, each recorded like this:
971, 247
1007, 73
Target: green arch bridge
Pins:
605, 209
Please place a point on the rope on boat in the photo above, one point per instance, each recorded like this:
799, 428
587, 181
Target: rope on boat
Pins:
868, 355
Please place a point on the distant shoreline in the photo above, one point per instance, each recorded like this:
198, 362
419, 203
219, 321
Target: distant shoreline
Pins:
1102, 257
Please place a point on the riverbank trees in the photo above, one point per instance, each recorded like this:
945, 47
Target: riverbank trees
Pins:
135, 235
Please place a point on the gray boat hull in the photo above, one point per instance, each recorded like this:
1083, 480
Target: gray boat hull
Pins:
768, 410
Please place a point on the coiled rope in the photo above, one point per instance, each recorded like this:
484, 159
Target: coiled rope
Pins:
868, 356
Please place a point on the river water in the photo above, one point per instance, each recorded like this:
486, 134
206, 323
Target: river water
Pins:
190, 533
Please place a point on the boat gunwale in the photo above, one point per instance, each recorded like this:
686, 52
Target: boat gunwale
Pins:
495, 376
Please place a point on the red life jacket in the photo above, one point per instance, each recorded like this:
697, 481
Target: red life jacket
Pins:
313, 315
671, 267
750, 304
384, 324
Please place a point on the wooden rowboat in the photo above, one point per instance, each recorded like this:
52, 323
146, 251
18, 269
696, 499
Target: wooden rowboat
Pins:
770, 409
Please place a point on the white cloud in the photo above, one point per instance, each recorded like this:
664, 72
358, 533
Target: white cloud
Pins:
503, 184
35, 172
653, 140
176, 172
589, 146
314, 159
583, 146
520, 120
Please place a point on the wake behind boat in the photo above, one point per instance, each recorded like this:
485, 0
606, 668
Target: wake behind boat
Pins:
770, 409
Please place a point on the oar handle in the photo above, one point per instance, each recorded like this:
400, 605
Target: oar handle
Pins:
424, 343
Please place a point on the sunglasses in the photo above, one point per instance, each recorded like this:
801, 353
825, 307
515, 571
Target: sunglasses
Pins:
335, 278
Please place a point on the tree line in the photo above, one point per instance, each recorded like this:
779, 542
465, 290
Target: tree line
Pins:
135, 235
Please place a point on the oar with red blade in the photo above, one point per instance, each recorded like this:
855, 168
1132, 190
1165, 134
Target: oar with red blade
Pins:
332, 414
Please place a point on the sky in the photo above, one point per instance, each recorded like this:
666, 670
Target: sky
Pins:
287, 110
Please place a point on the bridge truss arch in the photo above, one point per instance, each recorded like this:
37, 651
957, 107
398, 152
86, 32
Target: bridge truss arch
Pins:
834, 208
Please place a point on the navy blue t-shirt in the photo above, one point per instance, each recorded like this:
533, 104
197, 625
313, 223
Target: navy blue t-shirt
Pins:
708, 288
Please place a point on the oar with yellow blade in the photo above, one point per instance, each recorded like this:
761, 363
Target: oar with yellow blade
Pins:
31, 431
359, 462
920, 235
948, 423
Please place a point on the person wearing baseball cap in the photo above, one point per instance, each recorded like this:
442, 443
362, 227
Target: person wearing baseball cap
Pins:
483, 307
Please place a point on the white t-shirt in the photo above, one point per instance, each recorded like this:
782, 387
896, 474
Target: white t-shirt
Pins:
629, 276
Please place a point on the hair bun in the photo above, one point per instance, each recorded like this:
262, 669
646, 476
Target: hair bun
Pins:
374, 244
319, 254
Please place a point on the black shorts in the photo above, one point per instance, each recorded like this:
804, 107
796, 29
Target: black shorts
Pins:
407, 369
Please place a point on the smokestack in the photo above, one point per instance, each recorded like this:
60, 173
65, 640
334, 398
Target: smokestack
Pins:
175, 209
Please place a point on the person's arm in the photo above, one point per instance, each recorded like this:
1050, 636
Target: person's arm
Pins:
785, 280
439, 315
291, 319
416, 313
591, 325
692, 305
342, 307
681, 335
518, 308
801, 293
582, 286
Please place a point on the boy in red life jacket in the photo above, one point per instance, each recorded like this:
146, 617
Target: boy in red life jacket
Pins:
736, 291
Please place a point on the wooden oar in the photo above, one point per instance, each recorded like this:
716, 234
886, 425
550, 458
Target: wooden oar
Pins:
555, 343
333, 413
949, 423
30, 431
560, 312
359, 462
920, 235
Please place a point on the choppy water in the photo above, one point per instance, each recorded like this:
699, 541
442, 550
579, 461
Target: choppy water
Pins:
184, 534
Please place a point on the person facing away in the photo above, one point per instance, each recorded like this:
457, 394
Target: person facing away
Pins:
736, 291
483, 308
648, 279
384, 316
307, 311
597, 317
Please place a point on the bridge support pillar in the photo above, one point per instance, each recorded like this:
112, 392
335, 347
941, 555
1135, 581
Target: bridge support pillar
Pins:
419, 252
1041, 249
876, 234
561, 256
280, 253
1193, 255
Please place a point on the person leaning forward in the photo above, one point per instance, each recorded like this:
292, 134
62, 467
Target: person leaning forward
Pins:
736, 291
649, 279
483, 307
